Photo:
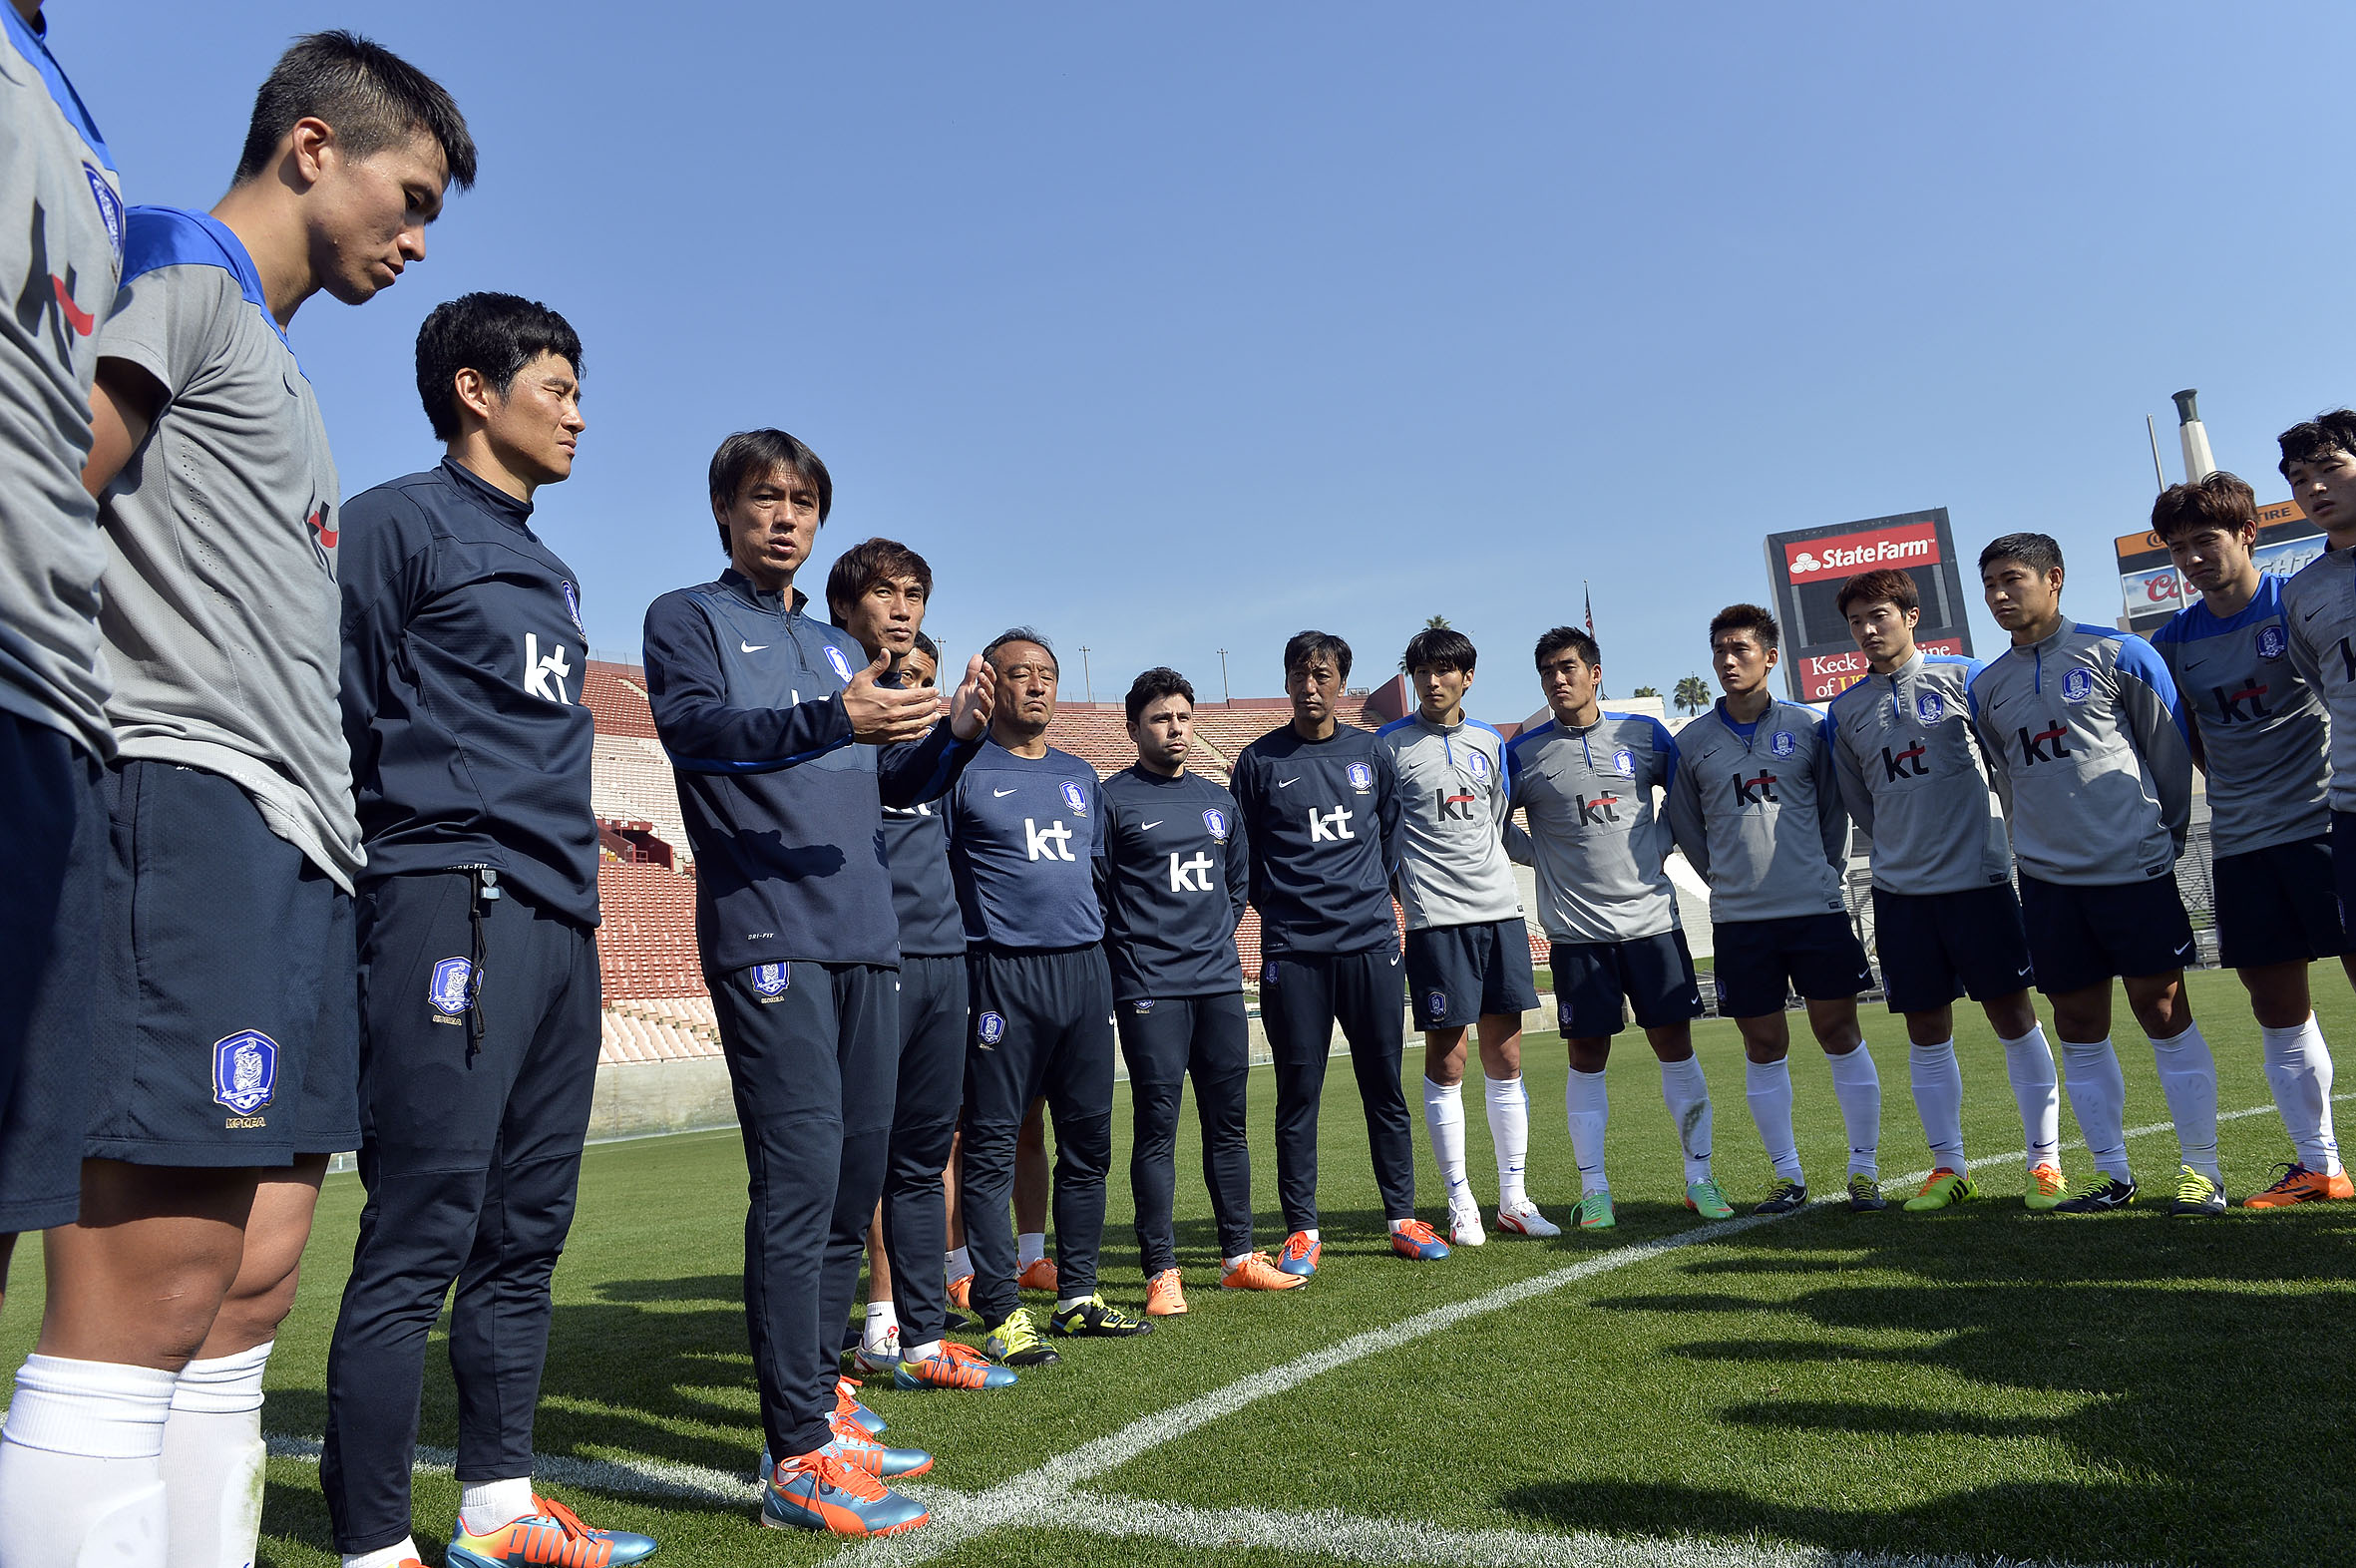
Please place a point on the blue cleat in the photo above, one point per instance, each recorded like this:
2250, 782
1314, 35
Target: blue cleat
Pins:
954, 1365
820, 1491
848, 1408
1419, 1240
551, 1534
1300, 1254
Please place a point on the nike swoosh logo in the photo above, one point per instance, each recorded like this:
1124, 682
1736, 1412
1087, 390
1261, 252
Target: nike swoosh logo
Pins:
750, 647
2024, 974
1004, 793
2310, 614
1155, 823
1286, 783
2185, 949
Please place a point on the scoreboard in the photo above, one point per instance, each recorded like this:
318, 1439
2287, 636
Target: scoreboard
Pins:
1807, 568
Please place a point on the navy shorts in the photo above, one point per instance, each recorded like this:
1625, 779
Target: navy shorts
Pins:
53, 849
1655, 973
1458, 974
1937, 946
227, 1019
2083, 936
1760, 963
2278, 904
2343, 860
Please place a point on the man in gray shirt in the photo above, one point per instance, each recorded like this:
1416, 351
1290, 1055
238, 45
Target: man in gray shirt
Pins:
1468, 951
2258, 731
1585, 780
225, 1068
1757, 809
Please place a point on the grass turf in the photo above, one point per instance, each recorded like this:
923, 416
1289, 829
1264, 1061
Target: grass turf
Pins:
1982, 1382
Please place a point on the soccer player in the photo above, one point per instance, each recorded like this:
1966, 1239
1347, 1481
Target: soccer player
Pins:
1757, 809
2094, 763
478, 914
785, 750
2260, 734
1585, 779
1041, 998
1319, 803
226, 1065
878, 591
1174, 872
1945, 920
62, 250
1468, 951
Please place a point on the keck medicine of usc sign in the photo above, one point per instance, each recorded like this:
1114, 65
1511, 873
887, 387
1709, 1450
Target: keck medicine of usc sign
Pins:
1808, 567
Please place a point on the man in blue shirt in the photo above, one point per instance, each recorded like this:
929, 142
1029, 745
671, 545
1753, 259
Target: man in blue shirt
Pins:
1025, 829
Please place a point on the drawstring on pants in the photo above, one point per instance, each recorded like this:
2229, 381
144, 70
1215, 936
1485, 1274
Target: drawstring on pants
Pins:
485, 888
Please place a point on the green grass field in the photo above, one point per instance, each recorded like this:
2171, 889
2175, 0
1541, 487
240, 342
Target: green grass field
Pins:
1983, 1384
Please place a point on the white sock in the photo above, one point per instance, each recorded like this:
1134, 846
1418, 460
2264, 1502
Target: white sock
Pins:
1510, 1131
961, 1263
1444, 1116
1034, 1247
2029, 1062
1067, 1303
483, 1507
1312, 1233
2188, 1077
883, 1326
1588, 1108
1686, 1093
1767, 1086
2298, 1066
1857, 1086
1939, 1099
2098, 1097
82, 1465
920, 1352
1234, 1263
384, 1557
214, 1459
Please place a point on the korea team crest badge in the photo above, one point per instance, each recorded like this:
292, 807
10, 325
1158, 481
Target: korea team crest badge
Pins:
842, 665
769, 980
1625, 761
1477, 764
244, 1072
1362, 778
1784, 743
1929, 707
2273, 641
447, 990
1075, 797
989, 1028
1216, 821
2077, 685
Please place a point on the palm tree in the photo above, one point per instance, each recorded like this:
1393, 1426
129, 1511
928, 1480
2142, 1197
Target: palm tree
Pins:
1646, 691
1692, 695
1436, 623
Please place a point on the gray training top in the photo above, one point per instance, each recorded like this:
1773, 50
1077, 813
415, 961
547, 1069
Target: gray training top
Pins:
2319, 606
1593, 838
222, 615
1912, 777
1757, 810
2264, 738
61, 252
1451, 788
2093, 761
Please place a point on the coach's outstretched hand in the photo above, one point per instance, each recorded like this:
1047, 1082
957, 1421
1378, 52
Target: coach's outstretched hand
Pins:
883, 716
974, 700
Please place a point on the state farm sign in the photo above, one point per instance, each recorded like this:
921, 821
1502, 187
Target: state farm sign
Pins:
1846, 555
1827, 675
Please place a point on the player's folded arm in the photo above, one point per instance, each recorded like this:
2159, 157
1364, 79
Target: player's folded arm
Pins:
701, 731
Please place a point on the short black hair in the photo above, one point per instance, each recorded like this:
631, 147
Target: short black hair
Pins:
371, 96
931, 650
1305, 645
756, 454
1756, 619
2038, 551
1159, 681
2218, 500
1890, 585
1572, 637
1022, 635
494, 335
868, 563
2319, 437
1442, 647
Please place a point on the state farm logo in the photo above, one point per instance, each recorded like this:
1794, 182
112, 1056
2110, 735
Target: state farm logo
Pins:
1915, 545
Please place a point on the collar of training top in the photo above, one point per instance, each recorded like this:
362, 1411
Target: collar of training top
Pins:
767, 598
489, 495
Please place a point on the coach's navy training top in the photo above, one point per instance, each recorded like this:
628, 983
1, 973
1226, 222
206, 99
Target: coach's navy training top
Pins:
1024, 837
1323, 816
923, 895
1176, 867
784, 809
462, 661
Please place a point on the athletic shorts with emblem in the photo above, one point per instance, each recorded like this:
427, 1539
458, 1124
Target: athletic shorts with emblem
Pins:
2278, 904
2081, 935
227, 1019
1655, 973
1937, 946
1455, 974
1761, 962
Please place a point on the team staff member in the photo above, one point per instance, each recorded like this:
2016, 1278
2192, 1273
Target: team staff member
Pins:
60, 248
1946, 922
2094, 763
1174, 872
1757, 809
462, 660
1468, 949
226, 1064
2258, 731
772, 726
1025, 827
1320, 802
1585, 780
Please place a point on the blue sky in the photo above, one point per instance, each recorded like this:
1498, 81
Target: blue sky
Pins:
1168, 329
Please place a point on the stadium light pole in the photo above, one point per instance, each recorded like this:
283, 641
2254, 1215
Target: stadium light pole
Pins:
1224, 695
1087, 679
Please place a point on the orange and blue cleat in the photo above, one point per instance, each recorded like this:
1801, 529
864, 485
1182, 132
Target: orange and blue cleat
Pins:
854, 1448
820, 1491
847, 1406
2302, 1185
954, 1365
1417, 1240
1300, 1255
551, 1534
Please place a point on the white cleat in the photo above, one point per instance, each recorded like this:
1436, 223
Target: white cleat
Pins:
1523, 1219
1464, 1225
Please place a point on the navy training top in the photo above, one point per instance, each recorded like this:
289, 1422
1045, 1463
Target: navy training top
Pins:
1324, 820
1176, 867
1024, 837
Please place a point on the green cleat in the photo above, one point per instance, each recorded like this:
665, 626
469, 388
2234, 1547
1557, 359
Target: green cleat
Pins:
2046, 1189
2196, 1194
1703, 1198
1865, 1195
1945, 1187
1593, 1212
1784, 1197
1016, 1343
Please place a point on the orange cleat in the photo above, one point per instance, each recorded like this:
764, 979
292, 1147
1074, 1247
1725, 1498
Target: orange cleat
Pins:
1040, 1276
2300, 1185
1300, 1254
848, 1408
818, 1491
1164, 1296
960, 1293
1258, 1273
1415, 1238
551, 1534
